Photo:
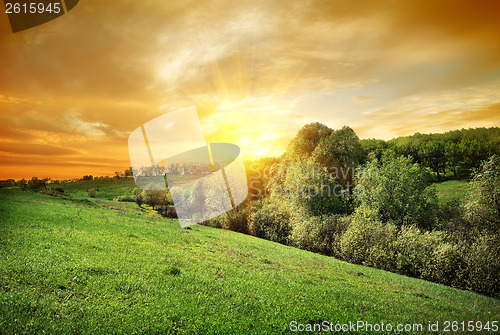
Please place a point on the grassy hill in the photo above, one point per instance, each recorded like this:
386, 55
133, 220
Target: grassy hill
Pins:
74, 266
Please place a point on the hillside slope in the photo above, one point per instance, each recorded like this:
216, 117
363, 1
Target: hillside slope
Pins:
71, 266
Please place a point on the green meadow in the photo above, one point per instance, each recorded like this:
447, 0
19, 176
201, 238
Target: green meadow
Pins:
87, 266
452, 189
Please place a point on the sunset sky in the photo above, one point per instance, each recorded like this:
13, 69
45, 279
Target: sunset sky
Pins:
73, 89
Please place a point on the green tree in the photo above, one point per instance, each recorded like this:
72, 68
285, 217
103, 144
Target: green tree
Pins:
433, 155
305, 142
314, 190
258, 173
455, 157
128, 172
155, 198
483, 201
317, 170
339, 153
23, 184
35, 184
399, 190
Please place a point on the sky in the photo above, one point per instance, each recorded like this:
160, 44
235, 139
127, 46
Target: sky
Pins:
73, 89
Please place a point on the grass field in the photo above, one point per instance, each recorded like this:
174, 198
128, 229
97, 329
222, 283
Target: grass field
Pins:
76, 266
452, 189
107, 189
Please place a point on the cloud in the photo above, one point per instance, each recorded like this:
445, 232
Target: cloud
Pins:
489, 113
73, 119
360, 99
433, 112
37, 149
260, 69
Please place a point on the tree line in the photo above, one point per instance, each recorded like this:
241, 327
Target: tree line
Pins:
454, 153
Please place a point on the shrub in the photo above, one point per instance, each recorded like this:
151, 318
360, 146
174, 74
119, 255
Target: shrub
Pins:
271, 220
414, 250
368, 241
92, 193
447, 265
452, 220
23, 184
238, 219
483, 264
35, 184
167, 211
58, 189
54, 193
320, 234
126, 198
139, 199
215, 222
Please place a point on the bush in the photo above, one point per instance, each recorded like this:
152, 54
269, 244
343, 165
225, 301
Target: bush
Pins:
92, 193
447, 265
452, 220
271, 220
320, 234
126, 198
58, 189
238, 219
35, 184
215, 222
23, 184
139, 199
483, 264
369, 242
55, 193
167, 211
414, 250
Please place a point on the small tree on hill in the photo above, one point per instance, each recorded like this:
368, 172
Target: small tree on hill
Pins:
128, 172
155, 198
23, 184
35, 184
